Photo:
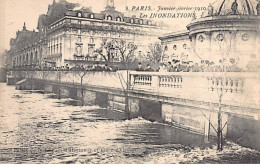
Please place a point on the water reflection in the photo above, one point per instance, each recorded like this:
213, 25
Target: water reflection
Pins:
39, 128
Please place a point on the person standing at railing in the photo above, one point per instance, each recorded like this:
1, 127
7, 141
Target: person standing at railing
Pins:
163, 68
149, 68
67, 67
169, 67
106, 68
139, 68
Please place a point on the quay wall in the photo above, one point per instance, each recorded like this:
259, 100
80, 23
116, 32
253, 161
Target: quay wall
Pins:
186, 100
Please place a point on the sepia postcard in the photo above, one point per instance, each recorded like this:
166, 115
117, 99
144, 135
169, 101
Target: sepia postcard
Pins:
130, 82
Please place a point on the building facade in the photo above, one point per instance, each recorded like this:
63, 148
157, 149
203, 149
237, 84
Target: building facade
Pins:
228, 30
68, 33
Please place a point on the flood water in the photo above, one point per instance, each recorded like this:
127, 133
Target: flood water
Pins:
39, 128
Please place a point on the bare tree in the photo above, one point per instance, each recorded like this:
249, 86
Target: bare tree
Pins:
224, 45
156, 52
126, 53
60, 74
81, 73
105, 50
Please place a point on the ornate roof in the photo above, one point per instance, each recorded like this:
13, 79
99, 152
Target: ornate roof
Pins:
23, 38
231, 7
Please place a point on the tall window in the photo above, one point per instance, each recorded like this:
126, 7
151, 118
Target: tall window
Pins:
36, 56
60, 47
57, 48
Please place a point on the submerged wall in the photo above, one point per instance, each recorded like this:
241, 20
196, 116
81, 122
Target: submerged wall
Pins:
165, 98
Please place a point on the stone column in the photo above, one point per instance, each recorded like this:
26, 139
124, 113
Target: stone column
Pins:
209, 38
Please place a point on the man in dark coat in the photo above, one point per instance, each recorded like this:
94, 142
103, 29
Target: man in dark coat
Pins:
148, 68
139, 68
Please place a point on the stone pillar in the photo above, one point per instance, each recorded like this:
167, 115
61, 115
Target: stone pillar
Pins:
48, 88
155, 83
64, 91
89, 97
133, 107
207, 128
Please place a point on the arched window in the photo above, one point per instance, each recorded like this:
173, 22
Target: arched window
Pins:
118, 19
79, 14
220, 37
245, 37
91, 16
201, 38
109, 17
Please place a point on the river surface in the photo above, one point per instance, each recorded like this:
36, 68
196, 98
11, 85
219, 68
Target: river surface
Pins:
39, 128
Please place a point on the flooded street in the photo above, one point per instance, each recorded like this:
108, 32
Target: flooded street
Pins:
39, 128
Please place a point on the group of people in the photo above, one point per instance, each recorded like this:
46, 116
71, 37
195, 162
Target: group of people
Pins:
140, 68
178, 66
174, 66
95, 67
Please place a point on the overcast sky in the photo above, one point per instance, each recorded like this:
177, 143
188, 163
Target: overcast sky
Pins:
14, 13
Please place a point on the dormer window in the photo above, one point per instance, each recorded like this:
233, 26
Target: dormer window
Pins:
118, 19
109, 17
79, 14
91, 16
91, 40
141, 21
132, 20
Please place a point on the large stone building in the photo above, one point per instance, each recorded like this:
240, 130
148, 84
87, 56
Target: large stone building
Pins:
228, 30
68, 33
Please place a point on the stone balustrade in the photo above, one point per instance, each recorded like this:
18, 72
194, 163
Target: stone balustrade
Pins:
238, 89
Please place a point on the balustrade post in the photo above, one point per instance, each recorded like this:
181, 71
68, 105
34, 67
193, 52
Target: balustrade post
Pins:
155, 83
132, 81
